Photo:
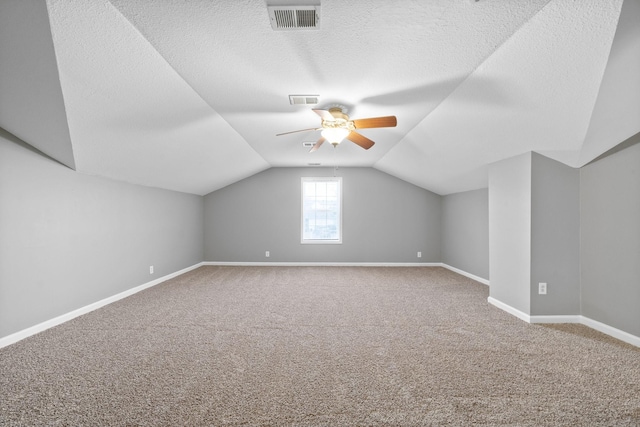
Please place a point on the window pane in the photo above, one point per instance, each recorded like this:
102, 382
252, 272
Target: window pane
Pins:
321, 218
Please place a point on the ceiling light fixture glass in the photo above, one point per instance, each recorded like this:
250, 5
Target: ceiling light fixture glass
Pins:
335, 135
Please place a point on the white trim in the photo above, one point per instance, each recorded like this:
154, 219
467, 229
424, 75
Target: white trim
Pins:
322, 264
464, 273
514, 311
20, 335
568, 318
347, 264
593, 324
572, 318
610, 330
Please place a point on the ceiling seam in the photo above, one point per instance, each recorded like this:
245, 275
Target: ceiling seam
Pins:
498, 47
183, 79
64, 100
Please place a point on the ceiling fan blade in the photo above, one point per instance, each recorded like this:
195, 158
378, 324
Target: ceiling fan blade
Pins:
361, 140
325, 115
294, 131
318, 144
376, 122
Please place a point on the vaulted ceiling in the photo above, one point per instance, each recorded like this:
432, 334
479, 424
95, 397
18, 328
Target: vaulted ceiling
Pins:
189, 95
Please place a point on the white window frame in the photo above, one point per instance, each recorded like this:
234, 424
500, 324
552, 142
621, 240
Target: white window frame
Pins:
340, 208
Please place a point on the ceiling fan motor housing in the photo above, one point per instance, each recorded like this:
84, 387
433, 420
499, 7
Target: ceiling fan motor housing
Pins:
341, 120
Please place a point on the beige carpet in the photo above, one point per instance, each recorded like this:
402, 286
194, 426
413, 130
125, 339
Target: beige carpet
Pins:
308, 346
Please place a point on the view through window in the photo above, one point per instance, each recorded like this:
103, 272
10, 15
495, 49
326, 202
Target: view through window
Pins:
322, 210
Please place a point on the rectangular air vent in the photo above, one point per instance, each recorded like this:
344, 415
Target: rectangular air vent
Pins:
294, 17
308, 144
303, 99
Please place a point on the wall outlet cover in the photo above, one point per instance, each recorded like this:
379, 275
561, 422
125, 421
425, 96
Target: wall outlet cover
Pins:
542, 288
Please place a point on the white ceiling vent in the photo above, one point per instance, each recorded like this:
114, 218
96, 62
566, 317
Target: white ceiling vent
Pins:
308, 144
294, 17
303, 99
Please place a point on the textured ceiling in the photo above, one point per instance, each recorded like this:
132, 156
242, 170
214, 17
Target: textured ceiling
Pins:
189, 95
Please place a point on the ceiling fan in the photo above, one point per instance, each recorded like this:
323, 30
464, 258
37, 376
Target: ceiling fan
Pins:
337, 126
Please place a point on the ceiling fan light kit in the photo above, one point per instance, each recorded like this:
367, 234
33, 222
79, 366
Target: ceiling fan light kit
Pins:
335, 135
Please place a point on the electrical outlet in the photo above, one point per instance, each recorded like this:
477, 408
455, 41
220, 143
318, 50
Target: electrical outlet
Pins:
151, 269
542, 288
419, 254
267, 254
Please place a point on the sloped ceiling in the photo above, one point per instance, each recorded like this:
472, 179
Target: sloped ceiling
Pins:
189, 96
31, 104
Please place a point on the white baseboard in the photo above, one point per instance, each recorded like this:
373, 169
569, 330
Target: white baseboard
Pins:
569, 318
610, 330
573, 318
594, 324
20, 335
348, 264
514, 311
324, 264
464, 273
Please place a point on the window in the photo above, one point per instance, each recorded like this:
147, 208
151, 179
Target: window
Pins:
322, 210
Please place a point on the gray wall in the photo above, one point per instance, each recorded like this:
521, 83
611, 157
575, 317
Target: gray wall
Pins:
610, 240
510, 231
555, 237
68, 240
465, 231
384, 219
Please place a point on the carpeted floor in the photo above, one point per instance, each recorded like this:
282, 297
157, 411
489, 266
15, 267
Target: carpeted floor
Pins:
308, 346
